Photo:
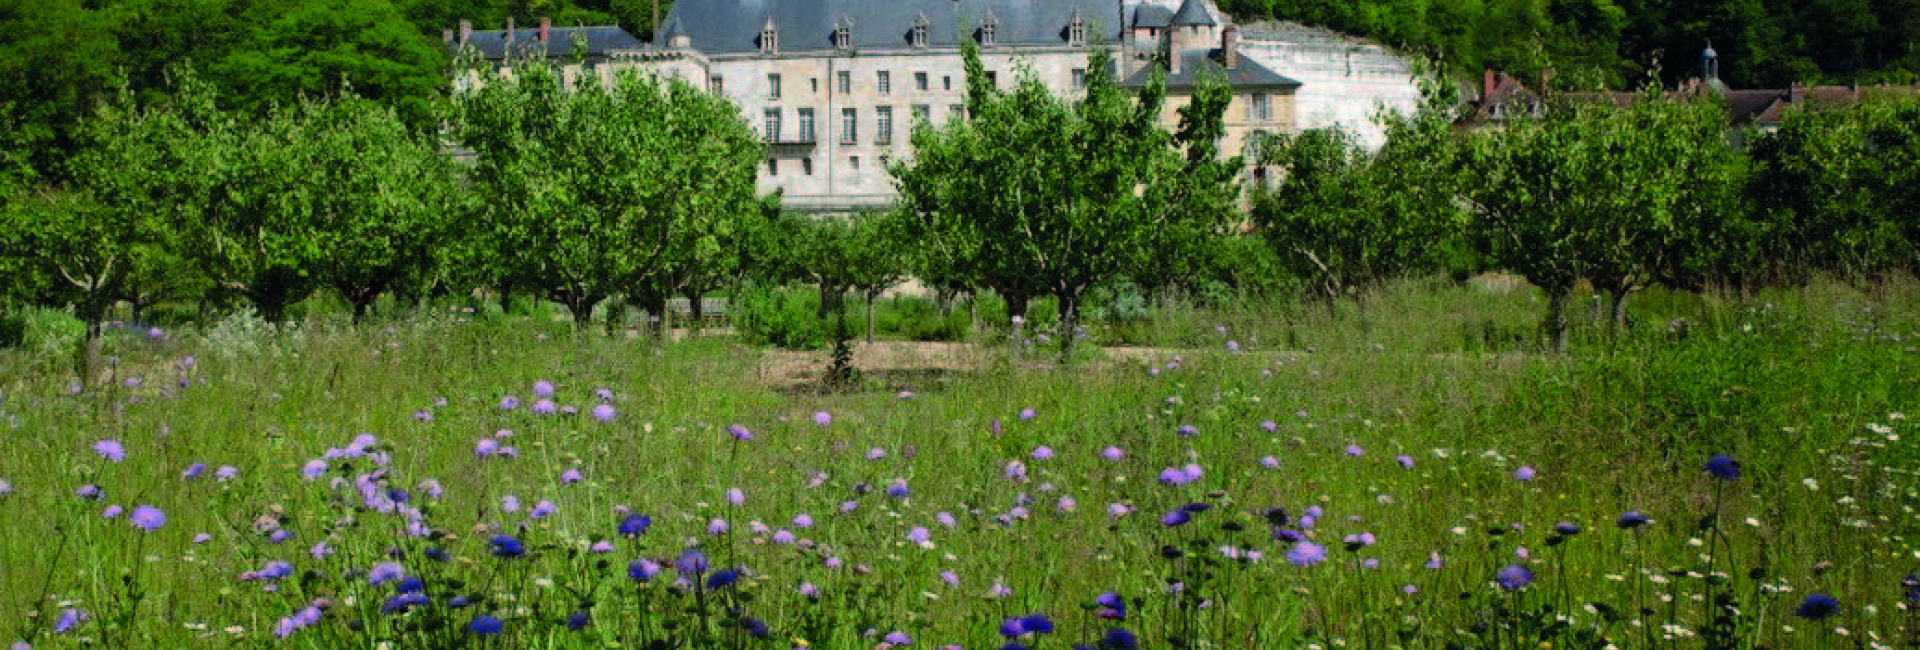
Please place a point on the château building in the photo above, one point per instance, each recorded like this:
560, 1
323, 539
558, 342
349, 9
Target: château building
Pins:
834, 86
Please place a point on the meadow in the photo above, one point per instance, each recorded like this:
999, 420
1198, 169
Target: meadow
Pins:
1410, 472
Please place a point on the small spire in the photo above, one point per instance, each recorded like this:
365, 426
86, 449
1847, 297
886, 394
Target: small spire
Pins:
1192, 13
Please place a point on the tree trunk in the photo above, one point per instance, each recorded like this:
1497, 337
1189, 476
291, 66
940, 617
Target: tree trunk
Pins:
1619, 321
871, 296
1069, 320
1016, 318
88, 356
582, 309
506, 298
1556, 322
695, 312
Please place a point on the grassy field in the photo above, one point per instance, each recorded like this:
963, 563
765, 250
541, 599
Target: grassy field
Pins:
1406, 474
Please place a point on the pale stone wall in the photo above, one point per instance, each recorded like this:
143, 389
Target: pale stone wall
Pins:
1344, 81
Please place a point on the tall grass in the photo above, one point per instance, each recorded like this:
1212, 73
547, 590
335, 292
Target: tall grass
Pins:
1408, 417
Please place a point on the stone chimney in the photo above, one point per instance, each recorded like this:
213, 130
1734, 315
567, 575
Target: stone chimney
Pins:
1230, 46
1486, 89
509, 36
466, 31
1796, 92
546, 29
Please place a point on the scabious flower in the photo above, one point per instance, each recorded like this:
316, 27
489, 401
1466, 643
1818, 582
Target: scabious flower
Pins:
112, 511
642, 570
1355, 451
722, 579
570, 477
603, 412
1723, 468
1525, 473
1817, 607
69, 619
920, 536
385, 572
111, 450
1027, 415
692, 562
510, 503
542, 509
809, 591
1119, 639
822, 418
802, 520
486, 447
739, 432
876, 453
544, 407
579, 620
148, 518
1112, 606
313, 470
484, 625
506, 547
1513, 577
193, 471
1305, 553
1042, 452
1404, 460
897, 638
635, 525
1633, 520
718, 527
543, 388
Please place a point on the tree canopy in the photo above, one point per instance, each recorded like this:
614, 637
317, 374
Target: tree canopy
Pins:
1032, 194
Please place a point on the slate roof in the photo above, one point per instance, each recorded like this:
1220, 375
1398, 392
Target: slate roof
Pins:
733, 26
1152, 16
495, 44
1192, 12
1248, 74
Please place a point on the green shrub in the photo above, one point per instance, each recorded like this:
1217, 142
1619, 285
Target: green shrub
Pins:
786, 317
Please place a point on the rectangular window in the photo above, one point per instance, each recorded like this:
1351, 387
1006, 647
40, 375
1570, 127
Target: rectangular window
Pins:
773, 125
845, 80
1079, 78
1257, 108
993, 79
773, 166
806, 125
919, 81
885, 82
714, 85
946, 82
922, 113
773, 85
815, 84
883, 125
849, 125
853, 163
806, 166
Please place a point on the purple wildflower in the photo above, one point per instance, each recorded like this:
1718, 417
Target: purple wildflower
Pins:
111, 450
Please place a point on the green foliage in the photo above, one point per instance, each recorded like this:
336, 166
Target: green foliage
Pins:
1344, 221
1033, 195
782, 316
1834, 189
584, 192
1611, 43
327, 48
1596, 192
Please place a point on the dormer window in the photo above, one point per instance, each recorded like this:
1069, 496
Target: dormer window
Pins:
1077, 30
769, 38
918, 37
843, 35
986, 29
